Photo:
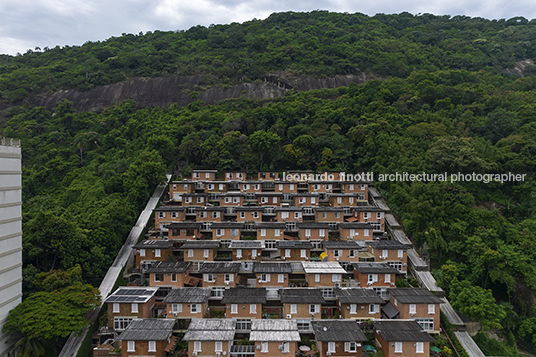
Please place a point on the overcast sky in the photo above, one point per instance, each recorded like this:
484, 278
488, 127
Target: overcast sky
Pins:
25, 24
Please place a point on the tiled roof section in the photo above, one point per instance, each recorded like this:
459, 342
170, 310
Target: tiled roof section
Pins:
244, 296
294, 244
246, 244
349, 225
272, 267
374, 268
250, 208
323, 268
219, 267
401, 330
388, 244
201, 244
127, 294
367, 209
338, 330
188, 295
169, 208
148, 330
169, 267
301, 296
237, 225
184, 225
329, 209
280, 225
415, 296
153, 244
312, 225
274, 330
343, 244
357, 296
288, 208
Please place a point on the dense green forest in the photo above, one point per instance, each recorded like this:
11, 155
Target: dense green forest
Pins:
446, 103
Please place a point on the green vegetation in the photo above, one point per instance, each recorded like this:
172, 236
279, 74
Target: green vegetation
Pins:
445, 103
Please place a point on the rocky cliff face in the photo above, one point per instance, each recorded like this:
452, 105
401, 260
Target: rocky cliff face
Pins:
164, 91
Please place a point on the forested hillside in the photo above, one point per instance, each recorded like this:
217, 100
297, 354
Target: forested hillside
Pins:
446, 102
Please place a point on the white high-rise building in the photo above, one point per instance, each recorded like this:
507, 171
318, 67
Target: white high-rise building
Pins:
10, 233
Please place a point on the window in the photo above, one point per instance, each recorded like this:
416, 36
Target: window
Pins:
412, 308
202, 214
284, 215
116, 307
324, 215
313, 309
352, 232
236, 199
387, 278
176, 308
255, 214
161, 214
227, 199
427, 324
293, 309
121, 323
350, 347
239, 253
400, 253
398, 347
234, 309
385, 253
253, 252
264, 199
335, 278
431, 308
351, 200
242, 214
303, 253
131, 346
195, 308
353, 308
265, 278
252, 308
158, 277
331, 347
243, 324
134, 308
142, 252
197, 346
228, 277
297, 214
304, 325
274, 200
218, 346
317, 278
263, 232
287, 253
217, 292
205, 253
291, 186
190, 253
322, 232
264, 347
313, 200
419, 347
337, 214
157, 253
152, 346
199, 199
374, 308
174, 215
269, 244
209, 277
286, 346
215, 214
280, 278
366, 232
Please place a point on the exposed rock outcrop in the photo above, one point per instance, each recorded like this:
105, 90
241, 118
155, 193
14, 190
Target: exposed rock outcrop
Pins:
164, 91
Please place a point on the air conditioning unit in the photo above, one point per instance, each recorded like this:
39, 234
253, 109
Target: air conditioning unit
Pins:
258, 347
282, 258
227, 283
306, 258
175, 314
401, 258
328, 354
369, 283
218, 353
280, 347
253, 257
358, 344
195, 353
392, 284
289, 316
